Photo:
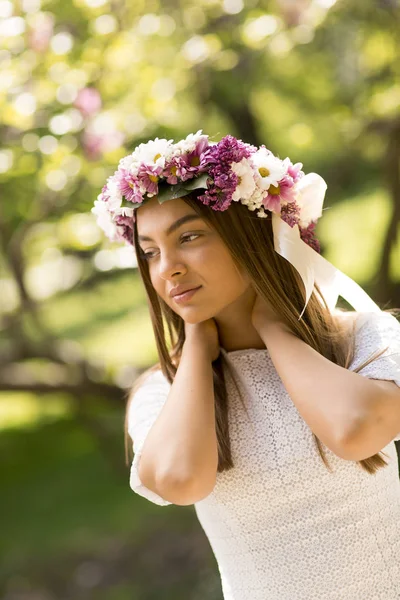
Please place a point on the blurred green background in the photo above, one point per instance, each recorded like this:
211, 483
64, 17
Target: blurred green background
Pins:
81, 84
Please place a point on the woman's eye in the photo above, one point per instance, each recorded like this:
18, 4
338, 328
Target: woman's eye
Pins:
185, 237
147, 255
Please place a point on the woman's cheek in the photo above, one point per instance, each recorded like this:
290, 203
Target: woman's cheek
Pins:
205, 256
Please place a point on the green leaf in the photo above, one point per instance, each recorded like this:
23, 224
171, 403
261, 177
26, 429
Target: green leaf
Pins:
197, 183
170, 192
129, 204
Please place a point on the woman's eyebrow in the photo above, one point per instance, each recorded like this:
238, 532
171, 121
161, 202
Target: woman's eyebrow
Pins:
171, 228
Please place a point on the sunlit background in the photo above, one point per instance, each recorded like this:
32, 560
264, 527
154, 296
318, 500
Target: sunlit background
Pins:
81, 84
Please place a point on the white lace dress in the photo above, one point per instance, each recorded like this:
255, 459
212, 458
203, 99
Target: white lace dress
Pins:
281, 526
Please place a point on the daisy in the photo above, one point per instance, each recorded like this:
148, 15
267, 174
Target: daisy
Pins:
246, 184
113, 194
104, 218
268, 169
153, 153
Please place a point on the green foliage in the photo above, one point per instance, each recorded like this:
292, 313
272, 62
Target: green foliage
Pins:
83, 83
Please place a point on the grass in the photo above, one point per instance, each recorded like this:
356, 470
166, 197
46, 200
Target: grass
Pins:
72, 527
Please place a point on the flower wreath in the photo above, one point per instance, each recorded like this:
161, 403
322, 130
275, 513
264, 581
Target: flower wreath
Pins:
230, 171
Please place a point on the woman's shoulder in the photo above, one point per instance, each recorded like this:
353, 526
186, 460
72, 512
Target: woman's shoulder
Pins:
373, 331
146, 396
151, 376
346, 319
374, 320
150, 381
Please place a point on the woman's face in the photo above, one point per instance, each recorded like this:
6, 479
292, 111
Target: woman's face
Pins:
190, 254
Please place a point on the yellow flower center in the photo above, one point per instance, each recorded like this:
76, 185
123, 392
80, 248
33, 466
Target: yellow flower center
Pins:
173, 169
131, 184
239, 180
274, 191
264, 172
157, 156
153, 178
195, 161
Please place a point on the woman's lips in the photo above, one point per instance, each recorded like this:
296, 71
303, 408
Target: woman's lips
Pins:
181, 298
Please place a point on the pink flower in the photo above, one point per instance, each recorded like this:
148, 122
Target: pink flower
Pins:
88, 101
186, 166
277, 195
92, 145
41, 31
123, 220
129, 186
95, 144
148, 176
193, 161
173, 170
295, 171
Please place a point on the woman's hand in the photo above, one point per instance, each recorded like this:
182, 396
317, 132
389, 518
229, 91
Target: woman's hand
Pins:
206, 334
263, 314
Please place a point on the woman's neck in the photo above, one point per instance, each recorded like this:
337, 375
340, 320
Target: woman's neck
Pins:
235, 329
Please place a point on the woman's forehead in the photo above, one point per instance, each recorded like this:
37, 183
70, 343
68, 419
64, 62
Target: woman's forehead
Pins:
153, 217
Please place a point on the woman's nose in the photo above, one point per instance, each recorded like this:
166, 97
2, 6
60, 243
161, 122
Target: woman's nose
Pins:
170, 264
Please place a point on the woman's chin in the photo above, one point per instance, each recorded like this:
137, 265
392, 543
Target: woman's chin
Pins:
193, 316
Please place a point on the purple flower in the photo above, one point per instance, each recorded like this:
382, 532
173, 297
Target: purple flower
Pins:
196, 161
290, 213
125, 227
123, 220
217, 160
187, 166
308, 236
179, 169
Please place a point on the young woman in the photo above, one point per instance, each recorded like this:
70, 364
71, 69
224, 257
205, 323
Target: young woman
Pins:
270, 410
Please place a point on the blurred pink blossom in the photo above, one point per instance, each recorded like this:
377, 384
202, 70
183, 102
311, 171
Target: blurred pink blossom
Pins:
95, 144
88, 101
41, 31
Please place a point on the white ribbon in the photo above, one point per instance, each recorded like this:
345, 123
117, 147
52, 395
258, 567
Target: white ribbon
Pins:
311, 266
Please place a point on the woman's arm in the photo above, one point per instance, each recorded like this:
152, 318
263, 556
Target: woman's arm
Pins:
332, 400
180, 457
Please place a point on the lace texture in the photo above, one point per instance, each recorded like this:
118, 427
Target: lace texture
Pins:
282, 526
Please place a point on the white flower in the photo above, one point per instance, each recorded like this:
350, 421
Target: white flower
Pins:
126, 162
261, 213
246, 183
310, 197
104, 219
255, 200
115, 195
125, 211
268, 168
189, 143
155, 152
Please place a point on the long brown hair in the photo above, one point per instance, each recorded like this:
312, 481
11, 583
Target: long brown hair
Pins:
250, 241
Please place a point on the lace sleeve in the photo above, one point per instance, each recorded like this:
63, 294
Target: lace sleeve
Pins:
144, 409
375, 331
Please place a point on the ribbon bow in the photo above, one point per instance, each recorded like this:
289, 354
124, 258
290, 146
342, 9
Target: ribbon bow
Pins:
312, 267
